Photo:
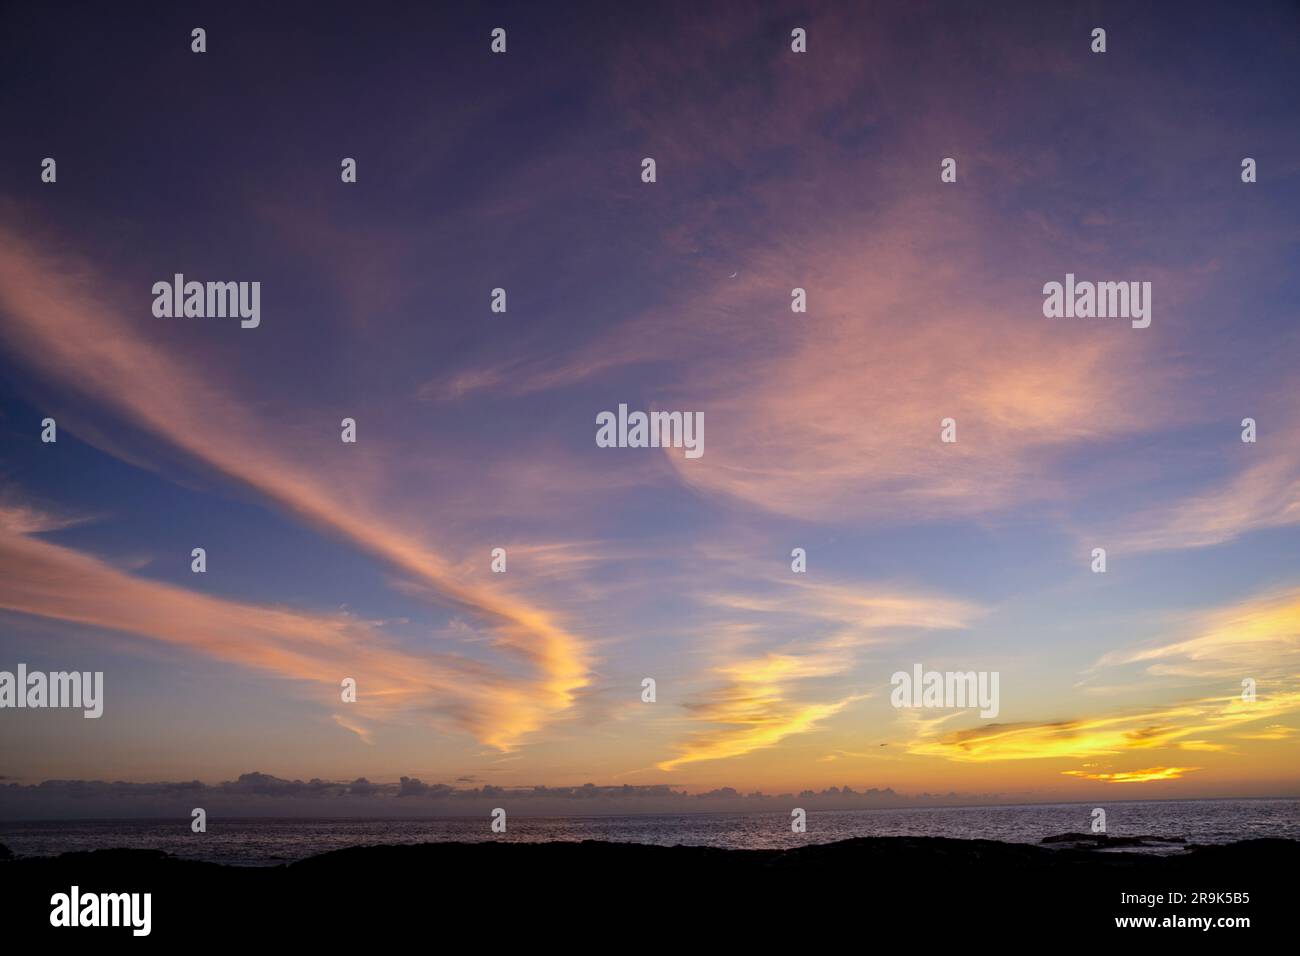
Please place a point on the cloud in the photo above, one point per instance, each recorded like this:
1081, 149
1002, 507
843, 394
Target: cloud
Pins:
923, 304
361, 730
1264, 493
260, 794
20, 518
763, 698
1257, 637
837, 413
1182, 725
1271, 732
56, 317
48, 580
1134, 776
866, 610
924, 300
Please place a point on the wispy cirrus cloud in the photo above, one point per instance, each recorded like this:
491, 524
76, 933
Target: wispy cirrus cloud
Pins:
55, 319
776, 171
1179, 726
1145, 775
1256, 637
1263, 492
48, 580
759, 698
755, 707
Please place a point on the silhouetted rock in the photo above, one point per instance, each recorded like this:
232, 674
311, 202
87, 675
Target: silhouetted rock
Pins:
594, 895
1084, 841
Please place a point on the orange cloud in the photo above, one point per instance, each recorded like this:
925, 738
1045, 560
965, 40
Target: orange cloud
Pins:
1258, 637
753, 711
838, 412
54, 316
1272, 732
764, 698
1182, 726
1134, 776
44, 579
1253, 638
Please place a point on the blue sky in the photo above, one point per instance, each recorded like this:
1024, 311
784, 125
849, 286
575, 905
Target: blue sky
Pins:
775, 170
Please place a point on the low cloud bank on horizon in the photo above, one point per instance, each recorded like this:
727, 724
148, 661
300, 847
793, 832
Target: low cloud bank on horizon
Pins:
260, 794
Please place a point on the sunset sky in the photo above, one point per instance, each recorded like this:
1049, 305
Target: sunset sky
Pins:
476, 430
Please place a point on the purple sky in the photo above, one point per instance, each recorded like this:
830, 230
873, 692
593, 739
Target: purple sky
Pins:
775, 170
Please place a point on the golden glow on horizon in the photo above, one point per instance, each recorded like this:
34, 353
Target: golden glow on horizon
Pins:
1134, 776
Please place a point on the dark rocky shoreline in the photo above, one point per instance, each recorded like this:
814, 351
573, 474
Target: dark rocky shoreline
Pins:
520, 892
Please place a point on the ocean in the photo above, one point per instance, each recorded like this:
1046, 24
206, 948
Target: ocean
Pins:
266, 842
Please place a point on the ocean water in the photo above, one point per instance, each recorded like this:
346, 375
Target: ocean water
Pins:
265, 842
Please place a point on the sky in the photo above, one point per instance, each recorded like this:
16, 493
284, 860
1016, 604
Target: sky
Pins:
476, 429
